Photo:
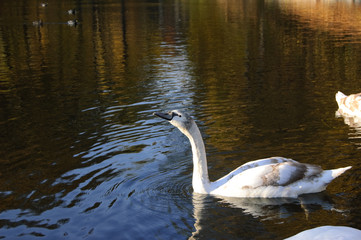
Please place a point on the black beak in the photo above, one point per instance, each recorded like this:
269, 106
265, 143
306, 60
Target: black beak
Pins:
166, 116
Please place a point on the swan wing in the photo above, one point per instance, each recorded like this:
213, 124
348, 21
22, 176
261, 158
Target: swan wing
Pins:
285, 179
280, 174
254, 164
284, 174
266, 161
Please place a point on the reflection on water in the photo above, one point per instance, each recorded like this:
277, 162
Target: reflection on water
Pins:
83, 157
215, 220
281, 207
355, 128
352, 121
340, 19
277, 210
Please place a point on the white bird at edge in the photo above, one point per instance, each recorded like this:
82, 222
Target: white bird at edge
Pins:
349, 106
329, 233
265, 178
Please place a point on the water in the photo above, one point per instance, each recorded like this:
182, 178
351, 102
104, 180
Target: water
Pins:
82, 156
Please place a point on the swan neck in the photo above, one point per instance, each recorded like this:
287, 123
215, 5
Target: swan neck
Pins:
200, 179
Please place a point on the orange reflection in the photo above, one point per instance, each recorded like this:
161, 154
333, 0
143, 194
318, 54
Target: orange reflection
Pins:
337, 17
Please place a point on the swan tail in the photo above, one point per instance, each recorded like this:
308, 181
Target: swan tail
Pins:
329, 175
339, 96
337, 172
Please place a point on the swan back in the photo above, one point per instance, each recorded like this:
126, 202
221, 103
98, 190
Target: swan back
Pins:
274, 180
349, 105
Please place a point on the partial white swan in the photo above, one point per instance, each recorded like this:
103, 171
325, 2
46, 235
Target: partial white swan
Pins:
349, 106
328, 232
268, 178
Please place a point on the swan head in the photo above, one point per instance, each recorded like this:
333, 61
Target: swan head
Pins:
179, 119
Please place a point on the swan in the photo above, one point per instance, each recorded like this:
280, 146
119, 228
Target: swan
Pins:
265, 178
349, 106
328, 232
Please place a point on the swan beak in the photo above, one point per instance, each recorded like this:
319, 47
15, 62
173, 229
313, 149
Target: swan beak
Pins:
165, 116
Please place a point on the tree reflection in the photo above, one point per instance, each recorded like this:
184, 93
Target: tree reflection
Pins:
75, 103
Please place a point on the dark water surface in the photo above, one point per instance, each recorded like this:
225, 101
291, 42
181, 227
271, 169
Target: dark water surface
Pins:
82, 156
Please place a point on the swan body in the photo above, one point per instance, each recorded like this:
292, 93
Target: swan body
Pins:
328, 232
266, 178
349, 106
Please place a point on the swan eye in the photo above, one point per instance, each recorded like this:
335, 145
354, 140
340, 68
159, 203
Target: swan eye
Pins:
175, 114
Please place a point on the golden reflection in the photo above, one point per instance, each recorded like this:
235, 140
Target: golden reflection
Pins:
99, 52
221, 73
296, 51
337, 17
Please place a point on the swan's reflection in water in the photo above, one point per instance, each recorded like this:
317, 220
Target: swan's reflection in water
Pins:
254, 209
355, 127
271, 208
352, 121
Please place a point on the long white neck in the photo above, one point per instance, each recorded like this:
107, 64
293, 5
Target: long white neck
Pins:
200, 181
